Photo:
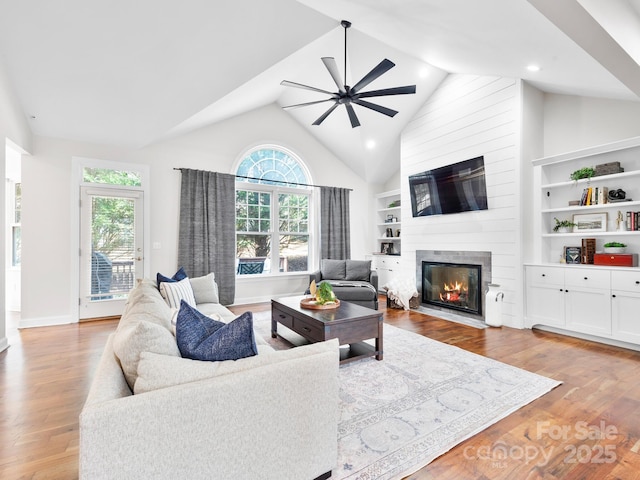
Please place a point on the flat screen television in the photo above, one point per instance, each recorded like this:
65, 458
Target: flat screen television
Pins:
455, 188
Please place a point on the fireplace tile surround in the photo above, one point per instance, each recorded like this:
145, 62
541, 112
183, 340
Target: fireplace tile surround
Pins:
460, 257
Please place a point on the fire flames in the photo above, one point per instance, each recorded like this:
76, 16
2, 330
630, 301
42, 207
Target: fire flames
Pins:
452, 291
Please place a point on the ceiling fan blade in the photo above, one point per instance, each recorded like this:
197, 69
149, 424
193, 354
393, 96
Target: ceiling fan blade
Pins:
384, 66
325, 114
406, 90
378, 108
298, 105
332, 66
287, 83
352, 116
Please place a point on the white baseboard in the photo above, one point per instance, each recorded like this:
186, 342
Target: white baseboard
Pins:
46, 321
586, 336
4, 344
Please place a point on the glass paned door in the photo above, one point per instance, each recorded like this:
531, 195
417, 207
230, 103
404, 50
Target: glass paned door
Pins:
111, 256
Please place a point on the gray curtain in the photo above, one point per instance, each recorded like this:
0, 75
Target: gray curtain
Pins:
207, 240
335, 239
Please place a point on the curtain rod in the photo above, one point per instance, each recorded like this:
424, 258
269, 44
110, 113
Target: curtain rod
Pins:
277, 181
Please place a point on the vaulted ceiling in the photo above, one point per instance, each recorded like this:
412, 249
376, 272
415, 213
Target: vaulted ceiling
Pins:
132, 73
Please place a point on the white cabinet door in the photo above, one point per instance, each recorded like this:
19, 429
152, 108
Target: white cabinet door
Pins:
625, 305
588, 301
545, 306
625, 320
545, 296
588, 311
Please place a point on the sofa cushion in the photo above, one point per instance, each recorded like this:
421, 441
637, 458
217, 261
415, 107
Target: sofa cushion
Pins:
333, 269
137, 337
179, 275
160, 371
358, 270
200, 337
175, 292
205, 289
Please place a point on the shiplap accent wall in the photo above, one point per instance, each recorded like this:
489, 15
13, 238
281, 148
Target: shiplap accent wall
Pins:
466, 117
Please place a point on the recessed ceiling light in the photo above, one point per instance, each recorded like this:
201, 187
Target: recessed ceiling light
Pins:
424, 72
533, 68
370, 144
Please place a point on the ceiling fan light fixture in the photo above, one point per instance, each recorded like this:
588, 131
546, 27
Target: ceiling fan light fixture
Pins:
348, 96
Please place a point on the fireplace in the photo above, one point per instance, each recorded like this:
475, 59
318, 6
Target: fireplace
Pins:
455, 286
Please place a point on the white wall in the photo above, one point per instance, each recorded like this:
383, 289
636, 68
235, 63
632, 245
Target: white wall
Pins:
573, 123
466, 117
14, 129
47, 209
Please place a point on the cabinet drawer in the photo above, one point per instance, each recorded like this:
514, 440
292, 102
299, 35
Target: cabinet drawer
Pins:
625, 281
545, 276
589, 278
282, 318
387, 262
308, 330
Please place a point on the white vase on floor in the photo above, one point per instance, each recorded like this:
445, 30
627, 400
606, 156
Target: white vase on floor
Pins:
493, 305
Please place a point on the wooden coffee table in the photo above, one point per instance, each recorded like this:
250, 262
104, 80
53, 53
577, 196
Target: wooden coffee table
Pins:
349, 323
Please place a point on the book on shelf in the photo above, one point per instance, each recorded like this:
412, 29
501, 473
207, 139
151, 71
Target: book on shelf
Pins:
633, 220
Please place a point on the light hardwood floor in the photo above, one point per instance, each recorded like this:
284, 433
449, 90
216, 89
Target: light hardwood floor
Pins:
47, 371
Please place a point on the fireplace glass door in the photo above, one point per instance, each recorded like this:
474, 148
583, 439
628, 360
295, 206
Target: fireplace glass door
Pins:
452, 285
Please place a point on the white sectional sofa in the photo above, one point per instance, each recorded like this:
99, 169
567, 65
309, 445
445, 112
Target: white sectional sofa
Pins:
269, 416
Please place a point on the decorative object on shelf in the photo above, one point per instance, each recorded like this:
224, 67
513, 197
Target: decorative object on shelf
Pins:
616, 259
591, 222
389, 232
322, 297
572, 255
389, 219
621, 223
586, 172
397, 232
614, 247
563, 226
395, 203
493, 306
386, 248
588, 250
617, 195
608, 168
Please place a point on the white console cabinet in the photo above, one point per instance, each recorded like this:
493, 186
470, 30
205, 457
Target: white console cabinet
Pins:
598, 301
387, 267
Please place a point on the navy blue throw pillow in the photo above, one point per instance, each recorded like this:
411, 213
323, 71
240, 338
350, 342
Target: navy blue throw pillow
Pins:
200, 337
179, 275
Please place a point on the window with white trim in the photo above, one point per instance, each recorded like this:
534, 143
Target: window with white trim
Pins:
273, 208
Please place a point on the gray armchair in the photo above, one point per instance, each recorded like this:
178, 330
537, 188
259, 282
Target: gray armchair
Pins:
351, 280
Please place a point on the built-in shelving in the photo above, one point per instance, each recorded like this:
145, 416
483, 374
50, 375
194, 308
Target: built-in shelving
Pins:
595, 301
384, 211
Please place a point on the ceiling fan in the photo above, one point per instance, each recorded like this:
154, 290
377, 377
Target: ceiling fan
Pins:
347, 95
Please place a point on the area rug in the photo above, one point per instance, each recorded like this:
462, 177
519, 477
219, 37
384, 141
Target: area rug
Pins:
425, 397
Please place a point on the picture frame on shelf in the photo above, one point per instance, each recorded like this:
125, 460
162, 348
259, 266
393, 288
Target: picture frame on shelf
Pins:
572, 255
590, 222
386, 248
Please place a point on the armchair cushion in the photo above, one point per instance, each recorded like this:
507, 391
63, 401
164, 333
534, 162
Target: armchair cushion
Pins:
358, 270
333, 269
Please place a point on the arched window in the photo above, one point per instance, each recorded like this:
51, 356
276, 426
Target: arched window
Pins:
273, 209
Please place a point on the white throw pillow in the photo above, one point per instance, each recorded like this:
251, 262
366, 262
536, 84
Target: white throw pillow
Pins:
205, 289
173, 292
